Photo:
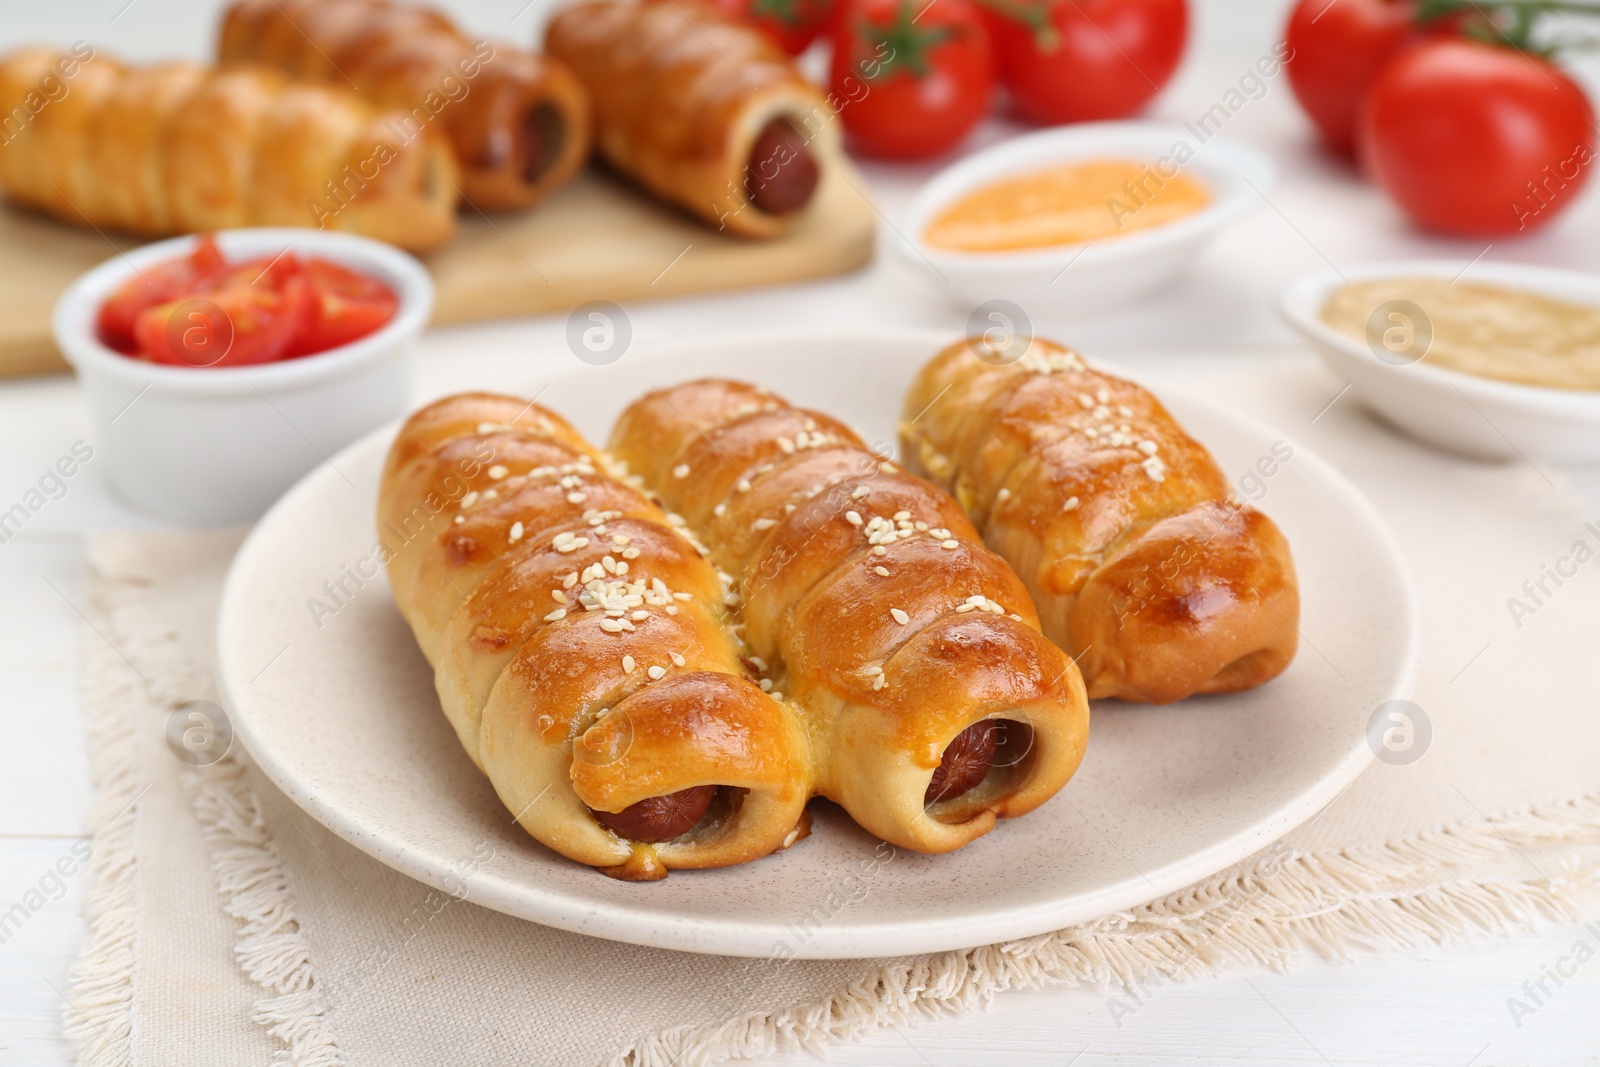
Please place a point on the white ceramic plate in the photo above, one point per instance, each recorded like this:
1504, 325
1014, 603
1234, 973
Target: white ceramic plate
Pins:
343, 717
1479, 417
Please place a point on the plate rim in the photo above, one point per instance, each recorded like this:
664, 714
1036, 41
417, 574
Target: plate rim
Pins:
911, 936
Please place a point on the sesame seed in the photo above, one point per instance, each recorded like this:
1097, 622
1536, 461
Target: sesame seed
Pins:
902, 516
720, 510
766, 685
570, 580
516, 532
878, 683
882, 572
786, 444
682, 596
630, 553
656, 673
949, 542
640, 615
758, 663
1004, 494
556, 615
879, 550
627, 664
576, 497
611, 626
470, 499
1071, 504
899, 616
860, 491
498, 471
763, 524
460, 519
872, 671
672, 609
743, 485
560, 539
558, 596
677, 660
681, 471
853, 518
922, 527
1147, 447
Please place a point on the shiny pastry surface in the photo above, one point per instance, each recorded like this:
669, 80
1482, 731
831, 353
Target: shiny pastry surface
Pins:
1145, 570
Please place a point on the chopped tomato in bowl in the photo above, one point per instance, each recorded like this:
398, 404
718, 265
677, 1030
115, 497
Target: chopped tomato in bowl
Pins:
200, 310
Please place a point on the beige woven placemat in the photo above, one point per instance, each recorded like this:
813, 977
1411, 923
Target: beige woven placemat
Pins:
228, 928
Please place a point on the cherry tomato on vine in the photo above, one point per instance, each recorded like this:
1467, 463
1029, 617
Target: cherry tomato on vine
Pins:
1079, 60
1475, 138
1336, 48
910, 77
791, 24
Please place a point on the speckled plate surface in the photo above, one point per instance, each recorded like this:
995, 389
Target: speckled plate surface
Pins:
339, 710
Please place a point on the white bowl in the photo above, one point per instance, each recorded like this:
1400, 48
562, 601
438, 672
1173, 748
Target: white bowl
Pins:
1479, 417
219, 444
1090, 275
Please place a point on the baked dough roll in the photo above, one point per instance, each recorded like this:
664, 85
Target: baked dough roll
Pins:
1157, 582
932, 701
518, 122
579, 647
179, 148
705, 113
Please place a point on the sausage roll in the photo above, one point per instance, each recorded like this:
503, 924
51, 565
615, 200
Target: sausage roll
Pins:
518, 121
579, 647
705, 113
932, 702
179, 148
1145, 570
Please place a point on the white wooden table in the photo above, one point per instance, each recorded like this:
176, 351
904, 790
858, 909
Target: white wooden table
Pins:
1444, 1006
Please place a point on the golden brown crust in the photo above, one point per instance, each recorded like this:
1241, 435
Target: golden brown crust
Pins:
518, 122
870, 603
578, 641
681, 93
1118, 521
178, 148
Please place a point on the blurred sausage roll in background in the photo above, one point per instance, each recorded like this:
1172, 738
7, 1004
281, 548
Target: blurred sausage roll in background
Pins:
178, 147
700, 110
1144, 569
518, 121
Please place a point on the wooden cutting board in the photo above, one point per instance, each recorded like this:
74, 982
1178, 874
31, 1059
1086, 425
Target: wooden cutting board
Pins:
596, 239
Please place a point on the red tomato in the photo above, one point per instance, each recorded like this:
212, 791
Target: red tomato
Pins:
1078, 60
1471, 138
233, 327
344, 306
791, 24
910, 77
1336, 48
157, 285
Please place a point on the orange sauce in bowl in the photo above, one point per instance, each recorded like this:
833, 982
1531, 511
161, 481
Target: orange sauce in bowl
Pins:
1088, 200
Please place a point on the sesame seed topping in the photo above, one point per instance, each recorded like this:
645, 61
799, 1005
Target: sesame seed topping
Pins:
743, 485
860, 491
470, 499
460, 519
853, 518
786, 444
763, 524
677, 660
949, 542
611, 626
879, 550
558, 596
1004, 494
627, 664
899, 616
556, 615
681, 471
1071, 504
656, 673
878, 683
1147, 447
720, 510
766, 685
516, 532
498, 471
570, 580
630, 553
902, 516
640, 615
576, 497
